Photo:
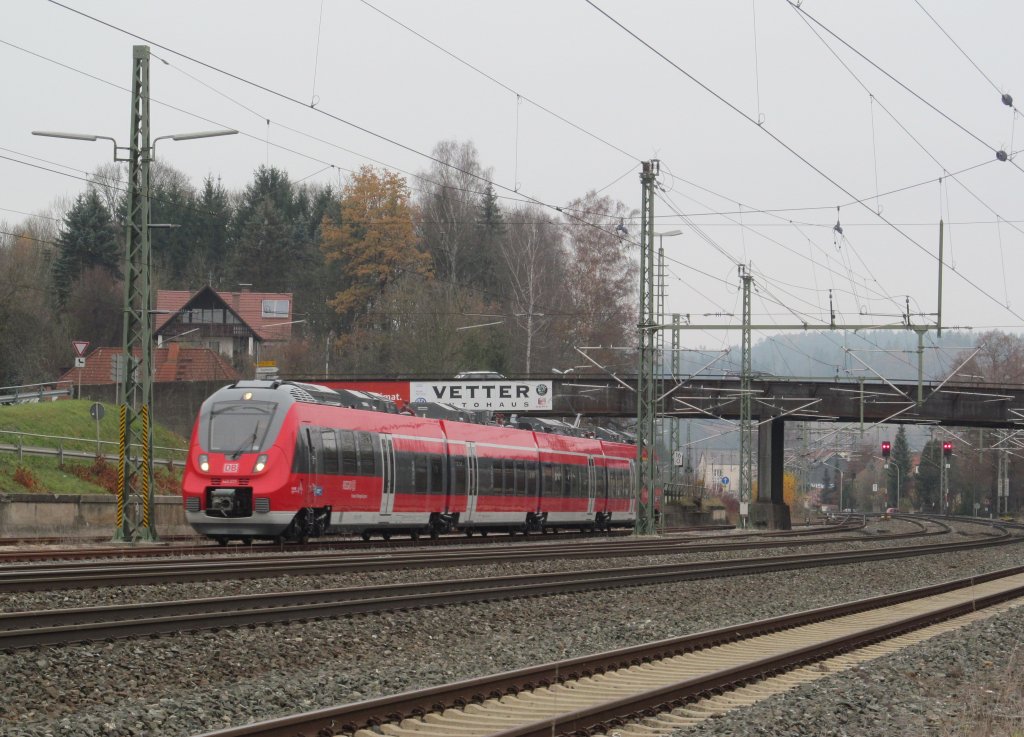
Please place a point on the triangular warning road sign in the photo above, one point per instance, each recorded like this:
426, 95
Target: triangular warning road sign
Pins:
79, 346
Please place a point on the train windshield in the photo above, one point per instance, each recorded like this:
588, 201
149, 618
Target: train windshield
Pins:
239, 427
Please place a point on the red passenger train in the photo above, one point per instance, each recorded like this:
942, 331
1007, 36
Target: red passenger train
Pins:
287, 461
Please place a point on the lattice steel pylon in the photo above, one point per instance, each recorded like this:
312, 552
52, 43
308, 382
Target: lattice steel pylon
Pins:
135, 446
746, 420
648, 328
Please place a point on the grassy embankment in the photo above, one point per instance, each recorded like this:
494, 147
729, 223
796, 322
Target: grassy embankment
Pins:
69, 425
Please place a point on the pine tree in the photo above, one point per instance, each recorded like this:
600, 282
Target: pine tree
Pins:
899, 469
87, 239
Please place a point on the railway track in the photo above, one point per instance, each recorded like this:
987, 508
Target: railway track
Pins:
62, 626
100, 548
660, 687
95, 574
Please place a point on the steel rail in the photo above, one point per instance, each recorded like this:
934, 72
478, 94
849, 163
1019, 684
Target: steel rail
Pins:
370, 714
61, 626
117, 573
155, 551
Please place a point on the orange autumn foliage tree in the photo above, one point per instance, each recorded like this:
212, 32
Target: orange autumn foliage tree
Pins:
372, 239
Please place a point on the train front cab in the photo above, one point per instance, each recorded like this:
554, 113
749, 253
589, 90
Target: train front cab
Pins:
236, 460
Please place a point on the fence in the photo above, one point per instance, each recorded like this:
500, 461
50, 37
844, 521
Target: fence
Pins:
87, 449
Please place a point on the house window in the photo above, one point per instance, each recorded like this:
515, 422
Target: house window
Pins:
275, 308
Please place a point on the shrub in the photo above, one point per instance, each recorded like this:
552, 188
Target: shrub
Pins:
26, 478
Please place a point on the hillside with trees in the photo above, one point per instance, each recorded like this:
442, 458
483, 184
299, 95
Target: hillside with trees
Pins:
427, 275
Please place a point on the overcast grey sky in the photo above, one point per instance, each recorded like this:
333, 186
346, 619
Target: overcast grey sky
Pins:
869, 136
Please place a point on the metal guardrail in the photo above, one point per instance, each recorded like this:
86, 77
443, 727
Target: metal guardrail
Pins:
36, 392
77, 450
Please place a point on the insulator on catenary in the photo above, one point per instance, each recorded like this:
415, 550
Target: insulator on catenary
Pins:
1007, 99
1001, 155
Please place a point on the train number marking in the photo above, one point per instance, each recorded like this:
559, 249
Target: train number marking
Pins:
230, 468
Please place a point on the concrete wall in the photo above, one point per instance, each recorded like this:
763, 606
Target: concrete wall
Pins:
69, 515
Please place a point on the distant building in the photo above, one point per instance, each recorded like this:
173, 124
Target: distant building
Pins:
230, 323
720, 471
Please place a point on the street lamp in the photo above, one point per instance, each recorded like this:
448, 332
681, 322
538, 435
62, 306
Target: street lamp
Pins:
899, 474
255, 352
152, 147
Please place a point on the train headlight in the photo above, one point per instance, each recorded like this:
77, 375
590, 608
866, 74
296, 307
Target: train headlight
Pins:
261, 463
204, 463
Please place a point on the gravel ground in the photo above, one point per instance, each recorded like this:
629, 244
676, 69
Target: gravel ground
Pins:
35, 600
190, 684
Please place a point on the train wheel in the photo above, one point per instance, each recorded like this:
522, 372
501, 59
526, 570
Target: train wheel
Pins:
366, 536
434, 533
415, 534
221, 540
386, 535
469, 533
246, 541
483, 533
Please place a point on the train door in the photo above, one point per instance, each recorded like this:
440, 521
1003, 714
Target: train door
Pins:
472, 482
591, 486
632, 487
387, 492
312, 489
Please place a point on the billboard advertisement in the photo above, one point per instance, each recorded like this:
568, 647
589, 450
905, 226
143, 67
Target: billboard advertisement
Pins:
500, 395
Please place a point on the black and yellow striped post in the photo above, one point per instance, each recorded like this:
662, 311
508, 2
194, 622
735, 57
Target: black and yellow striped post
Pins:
147, 531
121, 529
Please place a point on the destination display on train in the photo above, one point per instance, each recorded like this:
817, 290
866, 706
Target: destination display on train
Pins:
496, 395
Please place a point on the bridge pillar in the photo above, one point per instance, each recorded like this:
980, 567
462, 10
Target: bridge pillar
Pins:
769, 511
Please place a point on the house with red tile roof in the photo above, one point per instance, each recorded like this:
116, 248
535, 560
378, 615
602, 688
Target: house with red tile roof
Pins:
198, 334
231, 323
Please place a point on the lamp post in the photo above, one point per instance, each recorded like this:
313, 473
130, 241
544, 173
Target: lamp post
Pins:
899, 474
135, 472
256, 347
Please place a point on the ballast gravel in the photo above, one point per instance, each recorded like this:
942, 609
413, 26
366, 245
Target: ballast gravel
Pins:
190, 684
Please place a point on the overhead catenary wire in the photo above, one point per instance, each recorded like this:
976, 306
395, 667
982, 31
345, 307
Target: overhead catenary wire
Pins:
794, 152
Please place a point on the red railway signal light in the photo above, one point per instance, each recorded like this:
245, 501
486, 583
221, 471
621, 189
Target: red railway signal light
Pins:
947, 448
886, 448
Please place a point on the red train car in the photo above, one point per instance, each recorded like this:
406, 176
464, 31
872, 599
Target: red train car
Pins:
286, 461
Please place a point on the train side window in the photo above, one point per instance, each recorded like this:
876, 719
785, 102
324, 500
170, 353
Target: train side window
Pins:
522, 484
558, 475
405, 476
349, 466
485, 471
547, 478
458, 472
532, 477
436, 475
330, 454
364, 450
300, 464
421, 485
